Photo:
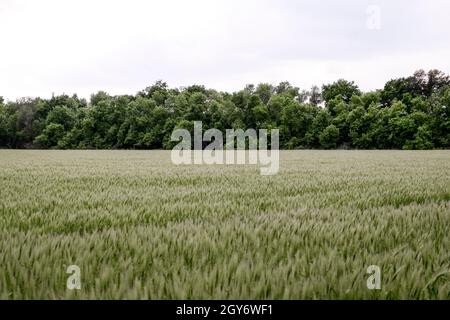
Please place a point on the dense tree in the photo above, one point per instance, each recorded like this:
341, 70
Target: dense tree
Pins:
408, 113
345, 89
265, 92
329, 137
315, 96
3, 131
421, 84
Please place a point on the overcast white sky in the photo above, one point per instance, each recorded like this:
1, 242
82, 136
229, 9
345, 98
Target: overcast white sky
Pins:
82, 46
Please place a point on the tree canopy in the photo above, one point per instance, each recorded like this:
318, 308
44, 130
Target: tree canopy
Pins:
408, 113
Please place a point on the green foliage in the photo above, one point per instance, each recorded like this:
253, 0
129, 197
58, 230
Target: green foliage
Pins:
422, 140
345, 89
3, 125
409, 113
265, 91
51, 135
329, 137
315, 96
421, 84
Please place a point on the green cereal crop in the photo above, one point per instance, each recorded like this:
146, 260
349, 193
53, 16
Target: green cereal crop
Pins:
140, 227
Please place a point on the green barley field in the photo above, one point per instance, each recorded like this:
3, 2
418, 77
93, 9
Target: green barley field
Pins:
141, 228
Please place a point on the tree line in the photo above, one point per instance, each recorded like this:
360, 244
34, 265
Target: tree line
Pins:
408, 113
